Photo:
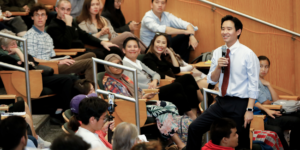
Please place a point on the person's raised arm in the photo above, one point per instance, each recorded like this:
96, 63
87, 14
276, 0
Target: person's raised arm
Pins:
174, 60
271, 89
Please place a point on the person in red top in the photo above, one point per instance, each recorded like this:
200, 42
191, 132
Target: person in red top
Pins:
223, 135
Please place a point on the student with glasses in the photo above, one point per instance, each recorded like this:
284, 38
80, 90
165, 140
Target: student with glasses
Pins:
112, 12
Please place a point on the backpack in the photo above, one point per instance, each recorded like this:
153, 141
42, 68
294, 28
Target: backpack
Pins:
288, 106
183, 126
203, 57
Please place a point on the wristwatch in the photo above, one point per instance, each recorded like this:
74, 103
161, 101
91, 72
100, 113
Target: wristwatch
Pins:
191, 34
249, 109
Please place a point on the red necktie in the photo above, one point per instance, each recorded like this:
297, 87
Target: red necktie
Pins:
226, 75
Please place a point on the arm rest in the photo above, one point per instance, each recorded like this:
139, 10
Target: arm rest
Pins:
274, 107
5, 108
183, 73
70, 50
66, 53
52, 64
9, 97
287, 97
18, 13
164, 82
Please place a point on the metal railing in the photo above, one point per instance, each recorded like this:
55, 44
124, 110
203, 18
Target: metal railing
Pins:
26, 70
205, 92
250, 17
135, 80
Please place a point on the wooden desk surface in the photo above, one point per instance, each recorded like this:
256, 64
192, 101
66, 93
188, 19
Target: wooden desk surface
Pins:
66, 53
202, 65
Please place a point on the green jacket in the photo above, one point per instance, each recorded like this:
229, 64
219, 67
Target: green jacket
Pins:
15, 5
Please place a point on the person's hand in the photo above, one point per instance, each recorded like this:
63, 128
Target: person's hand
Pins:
149, 95
273, 113
7, 14
105, 127
31, 63
104, 30
248, 118
222, 62
167, 51
67, 19
26, 8
107, 45
264, 82
12, 50
133, 25
152, 85
67, 62
193, 42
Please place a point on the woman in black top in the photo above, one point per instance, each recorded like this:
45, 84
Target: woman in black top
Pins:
112, 11
155, 59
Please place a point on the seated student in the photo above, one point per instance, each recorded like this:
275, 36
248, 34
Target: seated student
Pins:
184, 96
223, 135
66, 34
278, 123
90, 21
69, 142
18, 6
125, 136
40, 46
15, 24
163, 60
112, 11
267, 95
164, 112
75, 122
21, 106
93, 115
157, 20
76, 7
13, 135
60, 84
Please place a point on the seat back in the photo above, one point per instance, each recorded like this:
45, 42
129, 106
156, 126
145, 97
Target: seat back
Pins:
141, 57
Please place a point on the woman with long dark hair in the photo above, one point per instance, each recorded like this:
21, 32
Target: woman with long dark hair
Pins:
112, 11
90, 21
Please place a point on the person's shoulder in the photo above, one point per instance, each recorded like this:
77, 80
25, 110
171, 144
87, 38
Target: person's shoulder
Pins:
246, 48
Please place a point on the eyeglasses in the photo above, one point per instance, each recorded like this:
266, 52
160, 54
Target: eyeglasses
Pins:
39, 15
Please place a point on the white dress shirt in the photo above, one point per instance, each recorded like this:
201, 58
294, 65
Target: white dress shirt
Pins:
244, 71
152, 24
90, 137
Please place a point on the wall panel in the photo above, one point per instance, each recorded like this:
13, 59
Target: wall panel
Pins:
283, 52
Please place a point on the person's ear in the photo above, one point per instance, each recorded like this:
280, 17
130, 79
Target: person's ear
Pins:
151, 5
23, 141
3, 47
238, 32
46, 17
224, 140
32, 17
123, 50
56, 9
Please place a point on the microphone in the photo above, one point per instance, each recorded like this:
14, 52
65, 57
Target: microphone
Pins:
224, 51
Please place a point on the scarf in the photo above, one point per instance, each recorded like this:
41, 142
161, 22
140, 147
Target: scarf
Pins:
120, 77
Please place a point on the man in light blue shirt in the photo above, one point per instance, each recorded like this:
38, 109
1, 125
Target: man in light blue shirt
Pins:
157, 20
237, 74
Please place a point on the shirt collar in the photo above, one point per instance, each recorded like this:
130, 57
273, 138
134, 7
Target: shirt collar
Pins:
162, 15
37, 30
137, 63
234, 47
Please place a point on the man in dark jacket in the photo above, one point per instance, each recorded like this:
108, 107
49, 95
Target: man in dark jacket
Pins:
66, 34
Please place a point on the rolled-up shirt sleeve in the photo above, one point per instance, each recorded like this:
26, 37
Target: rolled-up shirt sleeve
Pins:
253, 75
213, 66
178, 23
151, 24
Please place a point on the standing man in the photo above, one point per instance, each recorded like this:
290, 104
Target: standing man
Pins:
40, 46
238, 86
157, 20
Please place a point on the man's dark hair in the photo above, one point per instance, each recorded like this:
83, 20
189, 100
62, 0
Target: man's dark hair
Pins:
91, 107
129, 39
37, 7
221, 128
83, 86
264, 58
12, 129
153, 0
69, 142
237, 23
